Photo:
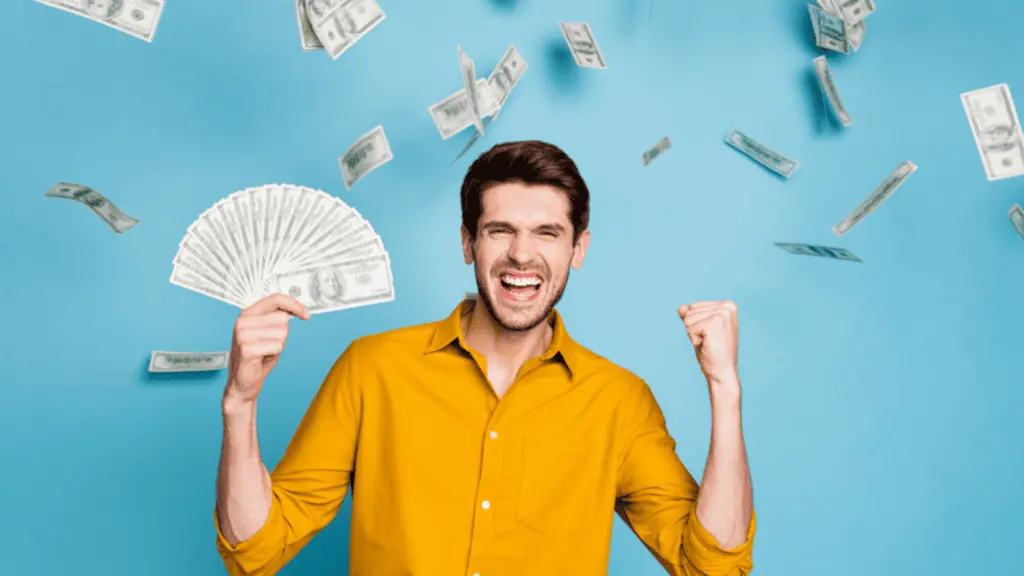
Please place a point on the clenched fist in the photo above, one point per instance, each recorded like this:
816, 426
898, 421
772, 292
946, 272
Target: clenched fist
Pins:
714, 332
260, 334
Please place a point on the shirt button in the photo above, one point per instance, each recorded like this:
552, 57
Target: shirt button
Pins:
493, 435
485, 504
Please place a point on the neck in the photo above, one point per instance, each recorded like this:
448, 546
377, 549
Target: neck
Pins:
498, 344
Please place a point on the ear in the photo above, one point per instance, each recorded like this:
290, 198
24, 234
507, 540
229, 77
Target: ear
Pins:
580, 249
467, 246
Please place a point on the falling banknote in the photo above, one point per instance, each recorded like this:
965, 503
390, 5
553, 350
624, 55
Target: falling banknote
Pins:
1017, 219
500, 83
763, 155
187, 361
118, 221
339, 24
656, 150
829, 30
854, 32
996, 129
340, 286
873, 201
469, 85
828, 86
823, 251
855, 11
453, 115
505, 76
583, 45
138, 18
307, 37
369, 152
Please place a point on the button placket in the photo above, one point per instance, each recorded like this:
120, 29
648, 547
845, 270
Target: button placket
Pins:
487, 490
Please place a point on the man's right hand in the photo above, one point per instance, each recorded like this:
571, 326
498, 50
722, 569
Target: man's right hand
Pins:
260, 334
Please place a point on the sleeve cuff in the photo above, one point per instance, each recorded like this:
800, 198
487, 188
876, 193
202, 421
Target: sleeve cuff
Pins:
707, 555
258, 549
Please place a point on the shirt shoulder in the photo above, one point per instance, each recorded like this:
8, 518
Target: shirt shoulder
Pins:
408, 339
612, 377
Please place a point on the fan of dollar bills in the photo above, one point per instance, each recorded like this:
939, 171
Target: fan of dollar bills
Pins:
286, 239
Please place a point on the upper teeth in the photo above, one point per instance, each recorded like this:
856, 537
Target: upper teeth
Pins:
521, 280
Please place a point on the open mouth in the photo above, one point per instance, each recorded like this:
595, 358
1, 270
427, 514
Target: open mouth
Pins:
520, 287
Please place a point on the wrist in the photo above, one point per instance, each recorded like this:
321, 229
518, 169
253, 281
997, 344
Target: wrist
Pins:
234, 407
725, 392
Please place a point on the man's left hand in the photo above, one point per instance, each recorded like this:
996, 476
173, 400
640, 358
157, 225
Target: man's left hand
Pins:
714, 333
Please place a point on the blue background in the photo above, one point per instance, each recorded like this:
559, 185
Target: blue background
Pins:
881, 399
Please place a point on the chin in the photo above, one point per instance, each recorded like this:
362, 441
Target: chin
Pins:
519, 313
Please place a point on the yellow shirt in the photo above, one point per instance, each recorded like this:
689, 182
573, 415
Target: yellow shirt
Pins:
449, 480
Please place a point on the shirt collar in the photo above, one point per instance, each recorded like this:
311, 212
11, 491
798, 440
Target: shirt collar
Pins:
562, 346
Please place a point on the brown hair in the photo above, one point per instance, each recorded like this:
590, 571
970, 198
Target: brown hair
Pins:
529, 162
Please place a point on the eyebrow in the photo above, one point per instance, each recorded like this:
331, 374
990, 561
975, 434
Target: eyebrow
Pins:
553, 227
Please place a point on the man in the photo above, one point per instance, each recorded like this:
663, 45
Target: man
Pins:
488, 443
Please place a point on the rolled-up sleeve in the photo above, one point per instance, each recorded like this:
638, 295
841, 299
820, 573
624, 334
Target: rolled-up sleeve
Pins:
657, 495
310, 482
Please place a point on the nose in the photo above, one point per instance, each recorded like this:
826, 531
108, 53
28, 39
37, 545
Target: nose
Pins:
521, 249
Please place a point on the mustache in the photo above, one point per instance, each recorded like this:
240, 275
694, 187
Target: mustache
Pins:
514, 267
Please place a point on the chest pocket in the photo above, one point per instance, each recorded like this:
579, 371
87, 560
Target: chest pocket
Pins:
560, 490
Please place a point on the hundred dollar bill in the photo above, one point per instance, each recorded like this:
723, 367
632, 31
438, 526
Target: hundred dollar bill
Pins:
583, 45
1017, 219
854, 11
854, 32
823, 251
996, 130
828, 86
452, 115
112, 215
656, 150
138, 18
502, 80
370, 151
339, 286
505, 76
759, 152
187, 361
469, 85
307, 37
339, 24
829, 30
875, 199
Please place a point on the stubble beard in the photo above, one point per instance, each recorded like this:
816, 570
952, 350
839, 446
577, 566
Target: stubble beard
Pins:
482, 287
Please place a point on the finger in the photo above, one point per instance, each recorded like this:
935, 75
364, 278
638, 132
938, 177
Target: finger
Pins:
276, 318
261, 349
694, 318
683, 310
277, 302
271, 333
713, 319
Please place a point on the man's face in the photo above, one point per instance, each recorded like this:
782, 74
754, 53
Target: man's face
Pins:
522, 252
